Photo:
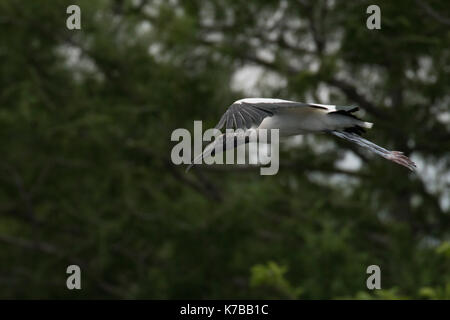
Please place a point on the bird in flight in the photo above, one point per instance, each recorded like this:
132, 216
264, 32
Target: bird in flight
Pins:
296, 118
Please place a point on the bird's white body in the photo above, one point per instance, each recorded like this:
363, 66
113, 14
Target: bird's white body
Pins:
300, 121
295, 121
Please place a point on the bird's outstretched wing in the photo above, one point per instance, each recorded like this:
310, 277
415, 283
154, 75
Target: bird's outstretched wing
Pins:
249, 113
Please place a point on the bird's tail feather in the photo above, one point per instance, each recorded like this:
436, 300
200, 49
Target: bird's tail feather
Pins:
346, 120
395, 156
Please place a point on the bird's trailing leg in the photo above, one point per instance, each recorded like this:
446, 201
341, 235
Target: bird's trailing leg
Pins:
395, 156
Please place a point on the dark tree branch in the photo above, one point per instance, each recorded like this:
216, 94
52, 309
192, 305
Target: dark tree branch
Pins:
352, 94
433, 13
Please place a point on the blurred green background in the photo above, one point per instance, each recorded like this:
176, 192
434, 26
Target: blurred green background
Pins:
85, 172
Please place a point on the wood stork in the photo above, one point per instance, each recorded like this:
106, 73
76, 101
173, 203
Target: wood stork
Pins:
297, 118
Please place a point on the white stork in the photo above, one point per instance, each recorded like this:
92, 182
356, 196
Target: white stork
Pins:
296, 118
